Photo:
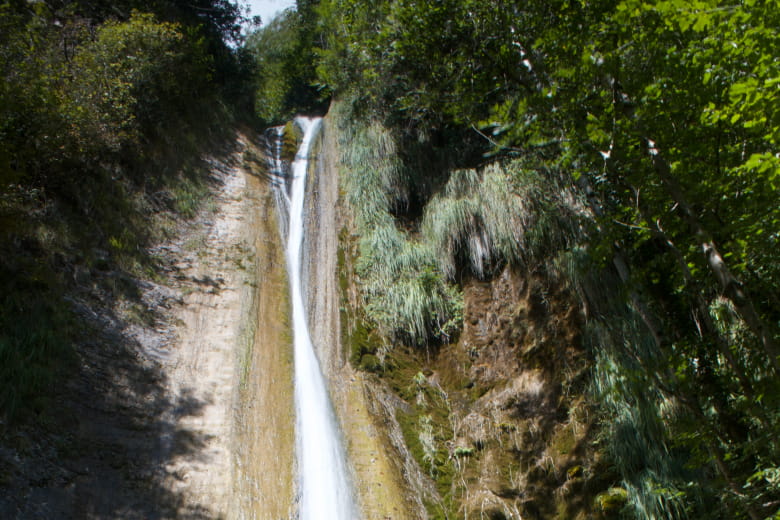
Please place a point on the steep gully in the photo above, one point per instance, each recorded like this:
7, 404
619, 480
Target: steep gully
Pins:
324, 489
267, 456
276, 459
189, 412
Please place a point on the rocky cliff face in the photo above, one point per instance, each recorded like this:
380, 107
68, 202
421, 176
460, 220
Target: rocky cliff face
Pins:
497, 425
494, 424
520, 430
376, 475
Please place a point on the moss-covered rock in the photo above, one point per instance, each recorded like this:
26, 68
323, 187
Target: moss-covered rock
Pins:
291, 139
611, 502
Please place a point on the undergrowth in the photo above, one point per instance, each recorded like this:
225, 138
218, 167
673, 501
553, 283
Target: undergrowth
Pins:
35, 335
477, 222
94, 236
503, 213
406, 294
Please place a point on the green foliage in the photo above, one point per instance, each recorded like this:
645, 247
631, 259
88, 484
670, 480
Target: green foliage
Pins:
127, 81
666, 113
284, 74
406, 294
507, 214
426, 59
637, 441
274, 46
612, 501
35, 334
104, 113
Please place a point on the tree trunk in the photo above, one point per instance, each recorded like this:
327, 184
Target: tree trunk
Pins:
621, 266
730, 284
708, 326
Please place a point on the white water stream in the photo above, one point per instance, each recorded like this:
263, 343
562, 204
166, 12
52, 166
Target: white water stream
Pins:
324, 489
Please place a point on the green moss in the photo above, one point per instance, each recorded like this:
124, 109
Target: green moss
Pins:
362, 342
575, 472
370, 363
291, 139
564, 442
408, 424
460, 451
612, 501
356, 333
427, 429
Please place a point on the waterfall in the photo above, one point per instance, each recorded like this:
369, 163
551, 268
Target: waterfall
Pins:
324, 489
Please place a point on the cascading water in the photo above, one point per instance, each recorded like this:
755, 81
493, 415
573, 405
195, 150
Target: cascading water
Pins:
324, 489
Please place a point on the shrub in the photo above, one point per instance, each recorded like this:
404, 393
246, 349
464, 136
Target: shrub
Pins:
127, 82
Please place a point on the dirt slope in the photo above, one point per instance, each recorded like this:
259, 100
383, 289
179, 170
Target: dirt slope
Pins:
159, 418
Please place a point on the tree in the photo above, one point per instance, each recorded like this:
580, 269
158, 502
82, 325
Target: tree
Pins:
285, 74
668, 112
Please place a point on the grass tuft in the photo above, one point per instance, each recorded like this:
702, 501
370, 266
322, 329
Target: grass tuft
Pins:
35, 346
406, 294
505, 213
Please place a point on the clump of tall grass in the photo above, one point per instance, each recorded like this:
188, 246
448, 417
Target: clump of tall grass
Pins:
637, 414
34, 348
506, 213
406, 294
376, 181
668, 402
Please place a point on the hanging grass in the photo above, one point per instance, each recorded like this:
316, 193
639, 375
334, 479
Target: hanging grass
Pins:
375, 181
502, 214
637, 415
479, 220
662, 424
406, 294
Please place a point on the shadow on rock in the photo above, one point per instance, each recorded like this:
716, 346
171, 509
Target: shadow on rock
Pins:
108, 430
